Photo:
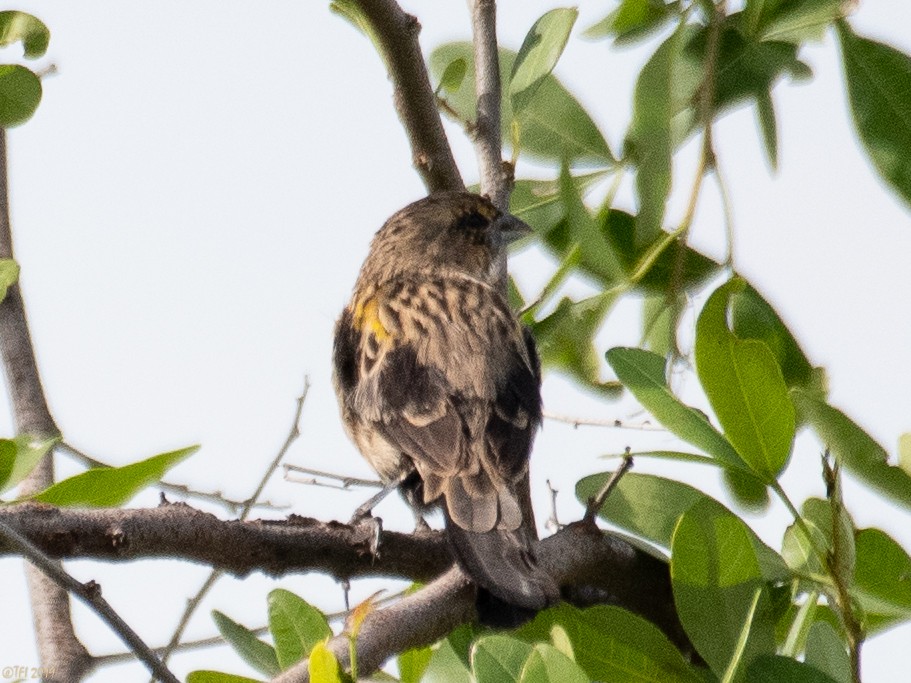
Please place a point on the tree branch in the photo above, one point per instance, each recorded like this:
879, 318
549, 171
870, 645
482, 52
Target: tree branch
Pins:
61, 653
593, 567
90, 594
606, 570
496, 183
395, 34
297, 544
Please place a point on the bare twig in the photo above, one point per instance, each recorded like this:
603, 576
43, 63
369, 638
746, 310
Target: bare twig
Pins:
597, 502
346, 481
644, 426
705, 111
90, 594
194, 602
396, 34
61, 653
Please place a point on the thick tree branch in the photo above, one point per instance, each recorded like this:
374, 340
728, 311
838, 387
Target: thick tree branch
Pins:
61, 653
600, 567
274, 547
606, 570
593, 567
395, 34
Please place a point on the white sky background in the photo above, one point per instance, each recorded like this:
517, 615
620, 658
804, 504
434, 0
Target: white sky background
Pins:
194, 197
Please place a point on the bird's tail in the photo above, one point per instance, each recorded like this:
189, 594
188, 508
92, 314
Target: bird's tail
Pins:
512, 588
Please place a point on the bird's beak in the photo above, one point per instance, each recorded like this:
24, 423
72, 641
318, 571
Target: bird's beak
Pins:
512, 228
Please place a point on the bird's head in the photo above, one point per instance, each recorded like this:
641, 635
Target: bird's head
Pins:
453, 231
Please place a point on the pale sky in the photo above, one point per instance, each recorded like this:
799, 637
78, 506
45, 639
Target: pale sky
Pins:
197, 190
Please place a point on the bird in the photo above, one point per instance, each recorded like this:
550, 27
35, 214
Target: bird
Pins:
438, 386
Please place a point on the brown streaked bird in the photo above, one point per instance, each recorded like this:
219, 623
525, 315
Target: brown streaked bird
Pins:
439, 388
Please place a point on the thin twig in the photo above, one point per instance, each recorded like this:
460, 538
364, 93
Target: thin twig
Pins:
232, 506
346, 481
597, 502
727, 209
194, 602
90, 594
577, 422
853, 628
705, 112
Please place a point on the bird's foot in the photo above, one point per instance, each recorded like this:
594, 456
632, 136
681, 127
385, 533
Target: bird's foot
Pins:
420, 524
369, 529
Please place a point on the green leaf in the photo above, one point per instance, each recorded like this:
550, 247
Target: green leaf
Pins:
650, 507
647, 505
660, 318
322, 666
768, 125
453, 75
650, 135
498, 658
611, 644
779, 669
20, 94
19, 456
547, 664
675, 268
413, 663
539, 54
753, 318
553, 125
856, 450
9, 275
879, 89
256, 653
904, 452
799, 550
296, 626
793, 21
566, 339
582, 229
716, 574
217, 677
16, 26
819, 512
745, 387
826, 651
538, 202
111, 486
644, 374
748, 491
882, 580
450, 659
632, 20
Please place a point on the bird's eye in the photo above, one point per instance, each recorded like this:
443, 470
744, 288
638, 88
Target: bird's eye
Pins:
472, 220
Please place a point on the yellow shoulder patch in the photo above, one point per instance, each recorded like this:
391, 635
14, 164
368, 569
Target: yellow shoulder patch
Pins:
367, 318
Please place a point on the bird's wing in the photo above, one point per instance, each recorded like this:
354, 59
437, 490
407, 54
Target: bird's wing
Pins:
451, 381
